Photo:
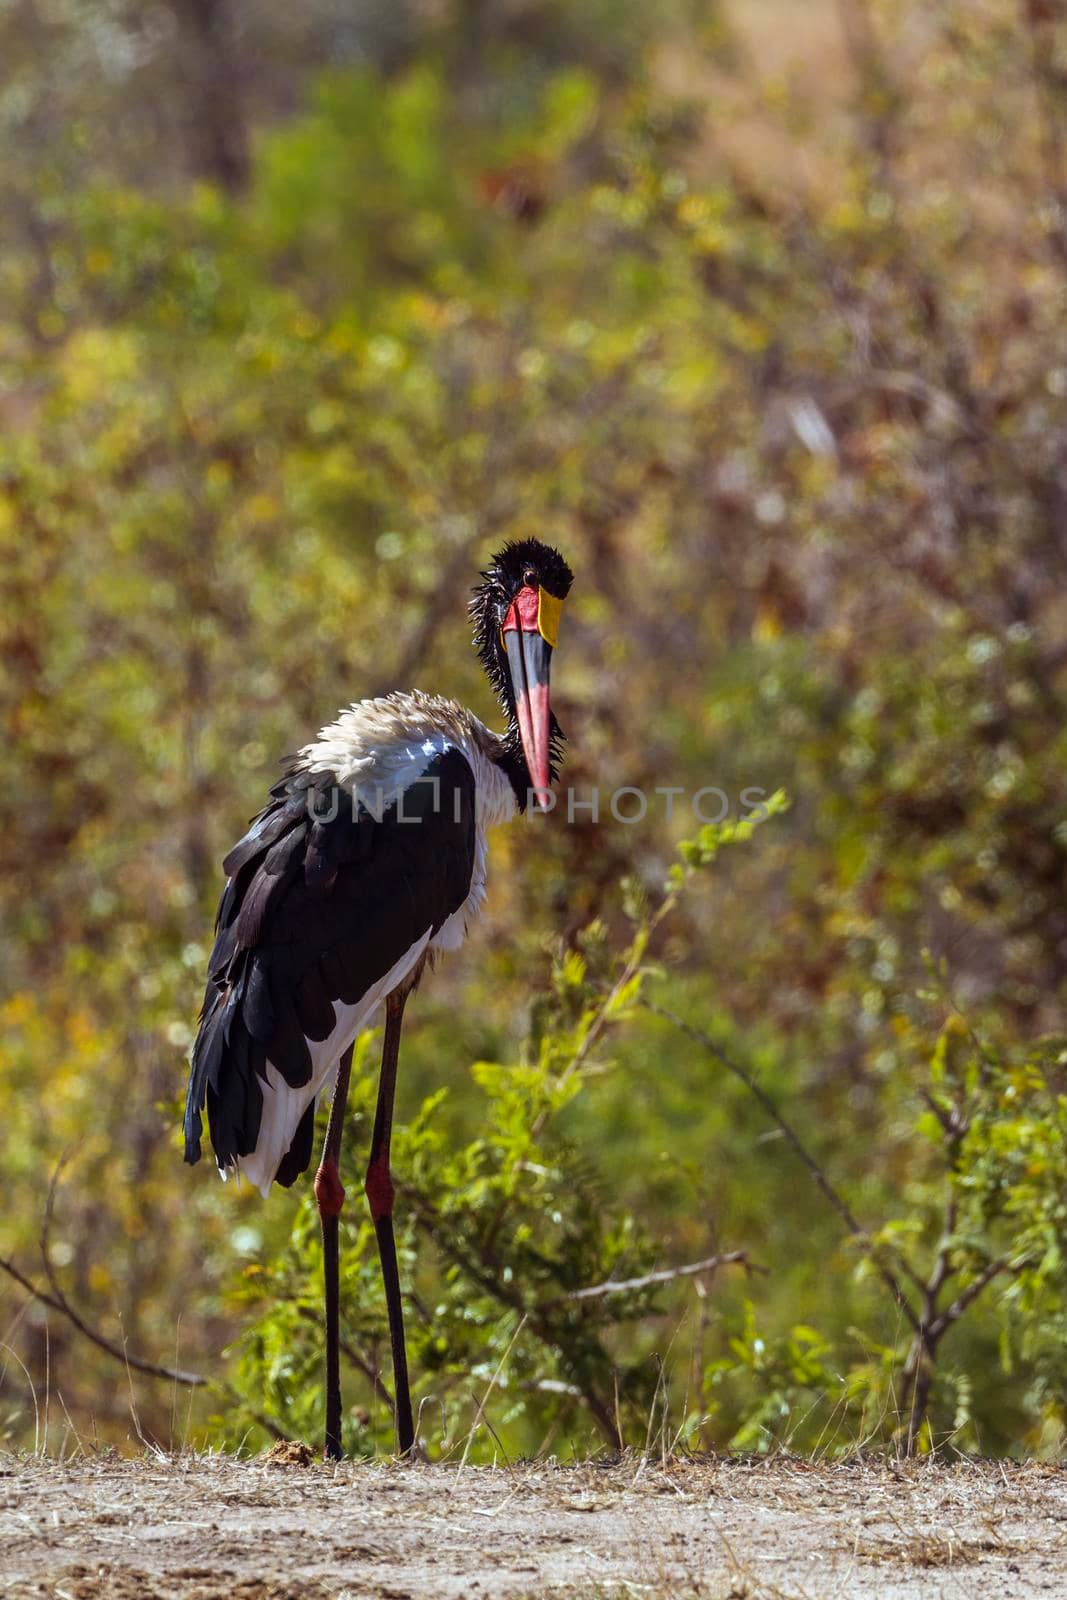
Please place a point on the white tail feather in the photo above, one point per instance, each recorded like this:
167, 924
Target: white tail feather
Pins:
284, 1106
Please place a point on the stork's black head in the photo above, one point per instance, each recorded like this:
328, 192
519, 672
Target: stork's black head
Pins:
515, 611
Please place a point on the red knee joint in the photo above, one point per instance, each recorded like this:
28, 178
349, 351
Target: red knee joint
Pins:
329, 1190
379, 1187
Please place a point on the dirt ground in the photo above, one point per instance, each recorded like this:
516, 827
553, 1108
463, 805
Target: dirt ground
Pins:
196, 1528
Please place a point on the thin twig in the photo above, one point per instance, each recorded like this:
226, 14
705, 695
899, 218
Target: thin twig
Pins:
192, 1380
371, 1373
877, 103
953, 1312
359, 1359
665, 1275
490, 1279
839, 1204
1048, 90
59, 1302
480, 1413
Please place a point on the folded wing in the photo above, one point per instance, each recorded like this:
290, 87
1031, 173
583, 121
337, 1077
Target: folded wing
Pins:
323, 902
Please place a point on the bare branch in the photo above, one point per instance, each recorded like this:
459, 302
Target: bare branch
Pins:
488, 1277
371, 1372
59, 1302
966, 1297
192, 1380
665, 1275
359, 1359
1039, 19
877, 91
707, 1043
954, 1124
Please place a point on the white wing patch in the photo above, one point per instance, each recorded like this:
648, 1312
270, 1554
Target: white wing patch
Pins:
384, 746
284, 1106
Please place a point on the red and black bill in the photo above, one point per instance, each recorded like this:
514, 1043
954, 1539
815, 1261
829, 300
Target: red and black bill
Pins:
530, 631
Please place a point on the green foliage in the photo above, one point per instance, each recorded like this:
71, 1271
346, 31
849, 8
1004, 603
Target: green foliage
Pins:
787, 1383
520, 1226
775, 348
983, 1214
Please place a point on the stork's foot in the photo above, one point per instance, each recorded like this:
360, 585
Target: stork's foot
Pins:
329, 1190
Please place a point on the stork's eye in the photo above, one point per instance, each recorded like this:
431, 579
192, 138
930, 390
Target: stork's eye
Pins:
530, 577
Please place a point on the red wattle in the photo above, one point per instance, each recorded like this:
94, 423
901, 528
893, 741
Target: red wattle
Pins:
523, 610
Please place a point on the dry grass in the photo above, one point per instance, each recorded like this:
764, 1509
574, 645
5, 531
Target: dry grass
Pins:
204, 1528
935, 1550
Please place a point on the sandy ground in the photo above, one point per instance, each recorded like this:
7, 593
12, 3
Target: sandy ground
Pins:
198, 1528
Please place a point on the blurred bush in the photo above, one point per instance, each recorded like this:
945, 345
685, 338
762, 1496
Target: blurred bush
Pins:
762, 323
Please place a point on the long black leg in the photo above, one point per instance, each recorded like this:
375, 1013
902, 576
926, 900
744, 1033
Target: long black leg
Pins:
330, 1195
379, 1187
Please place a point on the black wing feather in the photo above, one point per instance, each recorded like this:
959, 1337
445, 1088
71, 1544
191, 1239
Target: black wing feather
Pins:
297, 1158
319, 906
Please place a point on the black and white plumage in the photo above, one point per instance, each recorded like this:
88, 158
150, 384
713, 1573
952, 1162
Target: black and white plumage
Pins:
369, 858
321, 919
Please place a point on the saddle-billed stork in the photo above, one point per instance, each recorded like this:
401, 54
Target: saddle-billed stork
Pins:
368, 859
